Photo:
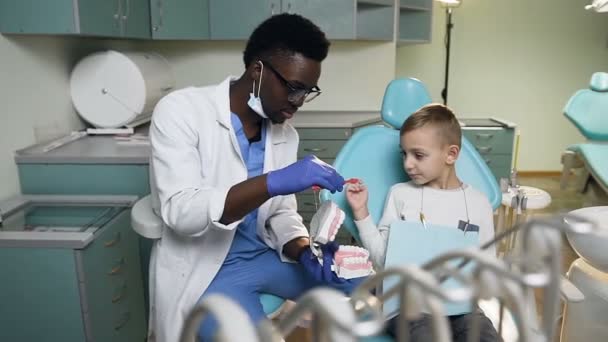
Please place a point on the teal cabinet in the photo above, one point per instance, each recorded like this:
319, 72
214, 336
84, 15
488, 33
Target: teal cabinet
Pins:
179, 19
70, 271
415, 18
114, 296
339, 19
493, 139
135, 18
495, 147
84, 179
104, 18
40, 286
236, 19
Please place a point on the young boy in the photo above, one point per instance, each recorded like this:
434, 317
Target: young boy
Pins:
430, 144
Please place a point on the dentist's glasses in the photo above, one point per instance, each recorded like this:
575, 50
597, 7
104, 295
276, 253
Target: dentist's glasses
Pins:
295, 93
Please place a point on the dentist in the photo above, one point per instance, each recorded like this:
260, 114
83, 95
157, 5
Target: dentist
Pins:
223, 174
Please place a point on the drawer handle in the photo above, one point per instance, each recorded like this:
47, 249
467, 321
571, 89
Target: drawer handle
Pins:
113, 242
125, 318
316, 149
484, 135
309, 204
116, 269
488, 161
484, 149
117, 298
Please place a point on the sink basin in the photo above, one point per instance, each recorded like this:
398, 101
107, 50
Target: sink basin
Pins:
593, 248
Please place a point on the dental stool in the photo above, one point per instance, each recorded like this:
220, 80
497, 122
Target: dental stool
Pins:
587, 109
588, 320
148, 225
373, 155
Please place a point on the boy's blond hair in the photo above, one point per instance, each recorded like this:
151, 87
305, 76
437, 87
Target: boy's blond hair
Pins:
438, 116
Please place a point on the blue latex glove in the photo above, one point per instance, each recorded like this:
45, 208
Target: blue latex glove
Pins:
323, 273
302, 175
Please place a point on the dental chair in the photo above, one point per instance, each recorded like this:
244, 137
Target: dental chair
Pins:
373, 155
587, 109
149, 226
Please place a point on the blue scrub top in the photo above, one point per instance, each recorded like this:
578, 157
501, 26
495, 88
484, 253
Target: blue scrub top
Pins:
246, 244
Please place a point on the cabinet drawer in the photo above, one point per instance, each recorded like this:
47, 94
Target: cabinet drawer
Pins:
488, 141
112, 287
324, 133
324, 149
498, 160
499, 164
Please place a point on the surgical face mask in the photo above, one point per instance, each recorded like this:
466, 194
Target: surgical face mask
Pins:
255, 102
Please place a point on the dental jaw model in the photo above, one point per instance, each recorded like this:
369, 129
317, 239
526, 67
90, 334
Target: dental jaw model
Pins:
352, 262
349, 261
326, 222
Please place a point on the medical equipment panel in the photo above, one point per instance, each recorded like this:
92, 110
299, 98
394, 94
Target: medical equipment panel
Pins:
70, 270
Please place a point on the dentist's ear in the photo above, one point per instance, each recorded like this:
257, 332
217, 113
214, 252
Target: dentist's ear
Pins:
255, 70
453, 152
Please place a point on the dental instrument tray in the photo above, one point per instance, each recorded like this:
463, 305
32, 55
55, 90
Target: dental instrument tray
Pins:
57, 221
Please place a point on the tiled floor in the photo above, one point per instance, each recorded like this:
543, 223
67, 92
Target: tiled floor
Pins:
562, 201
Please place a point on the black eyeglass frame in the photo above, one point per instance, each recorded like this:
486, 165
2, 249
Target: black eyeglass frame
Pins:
295, 93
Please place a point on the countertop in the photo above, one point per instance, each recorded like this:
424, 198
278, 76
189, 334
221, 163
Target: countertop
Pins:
334, 119
87, 150
108, 150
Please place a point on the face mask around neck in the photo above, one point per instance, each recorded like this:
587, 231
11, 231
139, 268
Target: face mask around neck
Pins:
255, 102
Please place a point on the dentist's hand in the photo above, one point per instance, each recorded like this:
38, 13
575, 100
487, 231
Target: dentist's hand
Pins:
302, 175
323, 273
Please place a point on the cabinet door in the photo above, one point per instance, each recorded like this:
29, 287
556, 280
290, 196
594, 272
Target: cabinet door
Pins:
39, 296
99, 17
236, 19
180, 19
135, 18
37, 17
415, 17
336, 18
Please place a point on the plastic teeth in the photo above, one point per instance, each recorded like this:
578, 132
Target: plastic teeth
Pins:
352, 262
326, 223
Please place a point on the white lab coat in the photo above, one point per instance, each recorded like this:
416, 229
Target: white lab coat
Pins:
195, 161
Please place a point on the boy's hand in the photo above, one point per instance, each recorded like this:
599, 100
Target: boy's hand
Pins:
357, 195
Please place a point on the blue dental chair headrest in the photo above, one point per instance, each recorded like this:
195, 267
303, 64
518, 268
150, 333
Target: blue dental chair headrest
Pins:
588, 108
373, 154
401, 99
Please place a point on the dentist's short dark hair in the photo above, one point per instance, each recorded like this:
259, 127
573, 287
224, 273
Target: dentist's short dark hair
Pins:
285, 35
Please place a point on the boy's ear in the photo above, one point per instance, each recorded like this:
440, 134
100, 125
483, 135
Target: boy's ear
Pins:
453, 152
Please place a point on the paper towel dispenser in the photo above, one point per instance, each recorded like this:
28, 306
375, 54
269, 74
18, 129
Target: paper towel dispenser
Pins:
113, 89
